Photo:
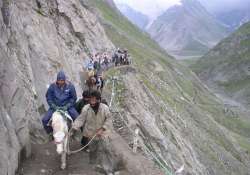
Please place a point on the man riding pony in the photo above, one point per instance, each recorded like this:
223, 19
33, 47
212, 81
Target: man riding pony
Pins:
60, 95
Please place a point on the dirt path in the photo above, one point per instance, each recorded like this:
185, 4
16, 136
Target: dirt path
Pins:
45, 161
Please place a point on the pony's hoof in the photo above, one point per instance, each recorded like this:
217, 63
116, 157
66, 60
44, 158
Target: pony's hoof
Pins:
63, 166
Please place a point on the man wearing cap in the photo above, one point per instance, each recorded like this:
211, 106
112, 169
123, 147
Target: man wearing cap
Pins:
60, 95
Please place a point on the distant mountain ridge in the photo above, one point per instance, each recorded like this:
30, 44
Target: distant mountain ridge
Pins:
187, 29
233, 16
136, 17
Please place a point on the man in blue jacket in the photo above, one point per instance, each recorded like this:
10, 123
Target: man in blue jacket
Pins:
60, 95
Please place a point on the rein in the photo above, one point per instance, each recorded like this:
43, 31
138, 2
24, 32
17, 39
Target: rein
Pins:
82, 148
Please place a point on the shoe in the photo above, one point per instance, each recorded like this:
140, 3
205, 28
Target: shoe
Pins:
98, 168
51, 138
84, 141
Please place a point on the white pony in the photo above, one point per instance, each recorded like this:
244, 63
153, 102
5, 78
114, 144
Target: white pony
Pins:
60, 134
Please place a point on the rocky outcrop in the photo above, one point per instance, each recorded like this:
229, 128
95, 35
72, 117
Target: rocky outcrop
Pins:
38, 38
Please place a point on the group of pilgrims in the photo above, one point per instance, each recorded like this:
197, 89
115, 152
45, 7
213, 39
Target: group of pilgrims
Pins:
97, 63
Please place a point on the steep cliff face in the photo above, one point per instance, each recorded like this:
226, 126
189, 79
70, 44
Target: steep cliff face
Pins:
37, 39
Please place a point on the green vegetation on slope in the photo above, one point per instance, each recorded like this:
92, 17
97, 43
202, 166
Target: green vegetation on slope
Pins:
244, 29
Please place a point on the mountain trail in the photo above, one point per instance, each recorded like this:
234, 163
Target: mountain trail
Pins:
45, 161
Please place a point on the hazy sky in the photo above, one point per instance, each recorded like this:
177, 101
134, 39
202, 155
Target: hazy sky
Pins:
151, 8
218, 5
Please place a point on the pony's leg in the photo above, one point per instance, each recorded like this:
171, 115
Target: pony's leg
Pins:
66, 144
64, 153
63, 160
59, 148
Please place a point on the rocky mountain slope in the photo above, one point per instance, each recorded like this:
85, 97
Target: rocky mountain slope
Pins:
187, 29
227, 65
181, 123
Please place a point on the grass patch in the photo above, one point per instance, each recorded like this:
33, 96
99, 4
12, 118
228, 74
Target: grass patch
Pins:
243, 142
232, 123
111, 72
189, 62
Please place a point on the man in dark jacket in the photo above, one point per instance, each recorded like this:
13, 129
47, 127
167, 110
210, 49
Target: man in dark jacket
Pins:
79, 106
83, 101
60, 95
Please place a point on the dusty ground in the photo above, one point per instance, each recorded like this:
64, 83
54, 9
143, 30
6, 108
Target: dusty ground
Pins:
45, 161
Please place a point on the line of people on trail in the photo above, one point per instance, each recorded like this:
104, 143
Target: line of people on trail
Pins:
95, 67
89, 113
121, 57
99, 62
